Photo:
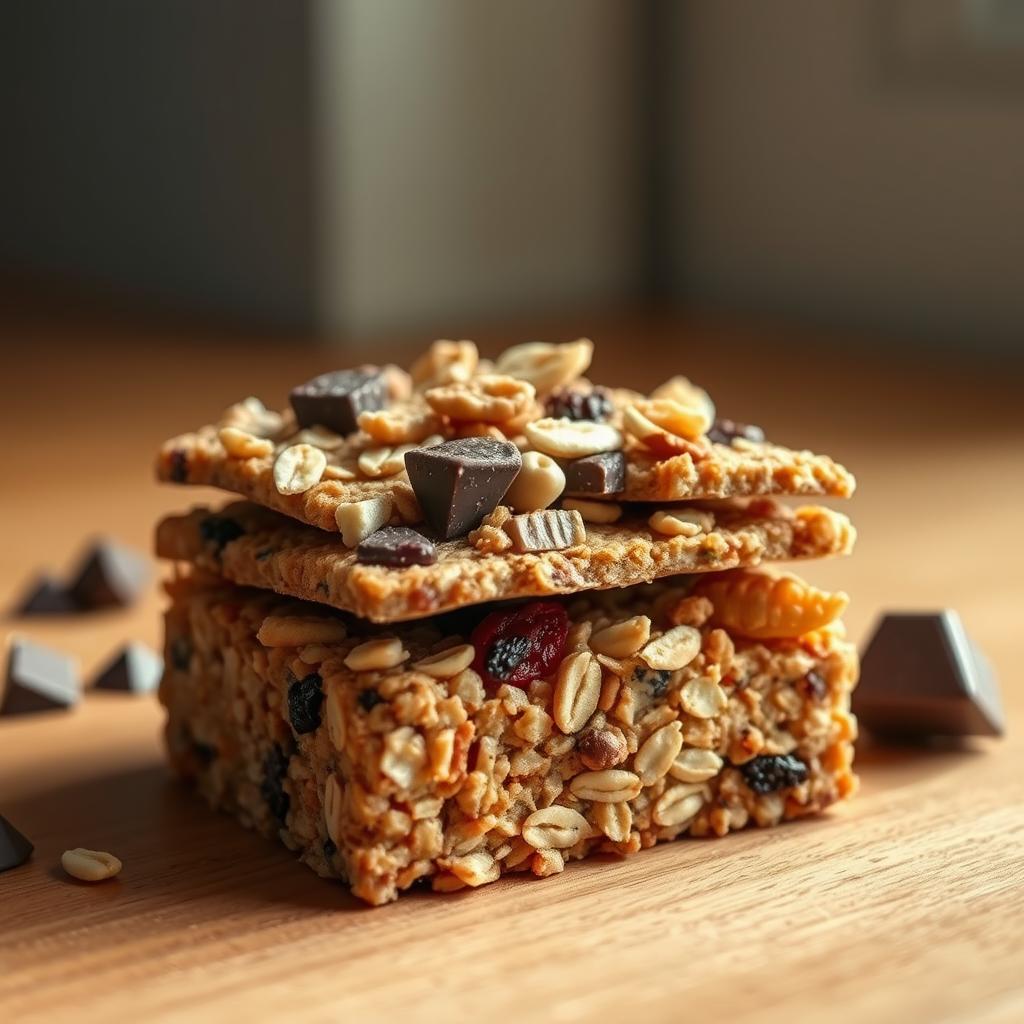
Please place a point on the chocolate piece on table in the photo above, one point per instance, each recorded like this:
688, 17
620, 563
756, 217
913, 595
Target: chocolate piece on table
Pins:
396, 546
725, 431
46, 596
335, 400
15, 849
38, 679
111, 575
546, 530
580, 404
921, 677
595, 474
459, 482
136, 669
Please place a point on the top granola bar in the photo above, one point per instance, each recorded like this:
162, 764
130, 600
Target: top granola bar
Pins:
360, 434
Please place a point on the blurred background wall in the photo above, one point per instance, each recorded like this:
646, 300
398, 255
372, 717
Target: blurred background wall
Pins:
352, 165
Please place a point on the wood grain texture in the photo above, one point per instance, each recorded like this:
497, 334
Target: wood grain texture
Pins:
905, 905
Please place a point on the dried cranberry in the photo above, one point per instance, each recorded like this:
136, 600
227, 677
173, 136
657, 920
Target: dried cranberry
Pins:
576, 404
521, 644
772, 772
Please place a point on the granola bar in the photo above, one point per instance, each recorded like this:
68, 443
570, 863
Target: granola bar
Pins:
455, 751
358, 434
253, 546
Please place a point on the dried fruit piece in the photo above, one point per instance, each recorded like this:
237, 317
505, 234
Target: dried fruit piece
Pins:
544, 365
304, 699
543, 625
396, 546
766, 606
772, 772
596, 475
572, 439
724, 431
539, 483
580, 404
298, 468
547, 530
335, 400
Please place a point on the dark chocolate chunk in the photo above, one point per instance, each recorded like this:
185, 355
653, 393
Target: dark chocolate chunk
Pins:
135, 669
181, 653
578, 404
275, 770
110, 575
304, 699
922, 677
335, 400
179, 466
368, 699
459, 482
15, 849
725, 431
595, 474
38, 679
772, 772
505, 655
217, 532
396, 545
46, 596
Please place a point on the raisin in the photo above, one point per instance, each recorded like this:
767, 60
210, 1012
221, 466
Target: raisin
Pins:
656, 680
205, 754
179, 466
813, 684
219, 531
520, 644
181, 653
304, 699
330, 849
726, 431
369, 699
772, 772
275, 768
576, 404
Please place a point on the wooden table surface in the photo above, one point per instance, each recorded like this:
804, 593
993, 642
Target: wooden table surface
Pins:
906, 905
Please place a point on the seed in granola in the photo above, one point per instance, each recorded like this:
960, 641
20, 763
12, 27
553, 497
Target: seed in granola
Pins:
772, 772
275, 770
219, 531
335, 400
459, 482
299, 467
369, 698
304, 699
595, 475
601, 748
545, 627
578, 403
538, 484
396, 546
90, 865
725, 431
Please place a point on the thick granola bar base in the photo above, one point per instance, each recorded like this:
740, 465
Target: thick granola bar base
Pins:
432, 779
298, 561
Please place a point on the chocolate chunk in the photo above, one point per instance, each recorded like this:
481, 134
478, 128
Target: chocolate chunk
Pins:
179, 466
15, 849
578, 404
773, 772
110, 575
136, 669
305, 696
726, 431
46, 596
459, 482
396, 546
922, 677
368, 699
275, 770
335, 400
38, 679
595, 474
218, 531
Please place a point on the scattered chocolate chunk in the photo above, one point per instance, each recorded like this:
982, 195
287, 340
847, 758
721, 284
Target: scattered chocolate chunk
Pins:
369, 699
110, 575
15, 849
459, 482
335, 400
505, 655
219, 531
547, 530
275, 770
179, 466
38, 679
725, 431
579, 404
136, 669
181, 653
396, 546
304, 699
595, 474
772, 772
921, 677
46, 596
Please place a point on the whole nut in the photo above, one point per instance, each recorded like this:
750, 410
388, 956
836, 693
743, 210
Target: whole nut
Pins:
298, 468
673, 650
299, 630
577, 691
703, 698
555, 828
445, 362
572, 439
447, 663
376, 655
539, 483
240, 444
695, 765
622, 639
602, 512
609, 786
614, 820
544, 365
657, 753
678, 523
601, 748
90, 865
678, 805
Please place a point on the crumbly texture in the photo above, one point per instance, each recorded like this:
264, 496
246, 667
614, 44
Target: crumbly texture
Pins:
252, 546
396, 775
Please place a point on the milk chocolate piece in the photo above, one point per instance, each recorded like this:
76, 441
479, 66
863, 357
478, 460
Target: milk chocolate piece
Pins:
335, 400
459, 482
46, 596
15, 849
111, 575
601, 474
396, 546
38, 679
922, 677
135, 669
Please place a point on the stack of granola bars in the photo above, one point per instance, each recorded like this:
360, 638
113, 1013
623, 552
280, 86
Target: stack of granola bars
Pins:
482, 618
